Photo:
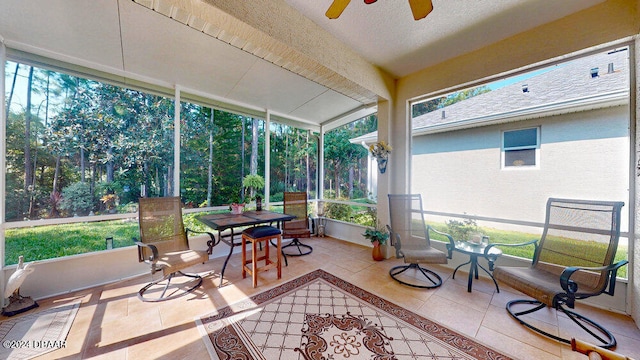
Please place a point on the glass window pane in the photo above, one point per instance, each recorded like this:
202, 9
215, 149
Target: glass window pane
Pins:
525, 157
218, 150
526, 137
461, 138
294, 161
346, 164
77, 147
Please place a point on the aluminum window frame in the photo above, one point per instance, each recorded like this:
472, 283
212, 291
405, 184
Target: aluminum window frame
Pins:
504, 149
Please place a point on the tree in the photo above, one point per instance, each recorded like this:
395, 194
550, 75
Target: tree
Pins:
28, 171
13, 87
343, 159
440, 102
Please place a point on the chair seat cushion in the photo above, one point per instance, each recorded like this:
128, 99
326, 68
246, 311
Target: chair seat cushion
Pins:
423, 255
540, 285
176, 261
261, 231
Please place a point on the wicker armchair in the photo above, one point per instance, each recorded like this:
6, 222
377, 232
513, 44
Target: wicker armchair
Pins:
164, 245
406, 229
573, 260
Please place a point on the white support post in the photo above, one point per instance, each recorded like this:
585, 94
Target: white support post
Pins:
321, 164
267, 159
3, 161
176, 143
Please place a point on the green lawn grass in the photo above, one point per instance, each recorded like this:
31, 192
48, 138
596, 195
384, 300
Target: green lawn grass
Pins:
46, 242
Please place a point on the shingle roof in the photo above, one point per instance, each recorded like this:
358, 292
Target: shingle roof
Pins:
566, 82
563, 82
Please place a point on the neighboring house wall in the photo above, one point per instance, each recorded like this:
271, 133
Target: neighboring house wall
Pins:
582, 155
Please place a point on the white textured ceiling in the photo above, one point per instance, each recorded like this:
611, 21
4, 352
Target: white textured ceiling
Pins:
386, 35
130, 40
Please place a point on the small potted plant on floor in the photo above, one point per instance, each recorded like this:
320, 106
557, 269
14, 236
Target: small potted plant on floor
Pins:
378, 236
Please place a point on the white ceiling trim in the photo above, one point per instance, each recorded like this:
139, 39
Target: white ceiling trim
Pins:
359, 113
258, 43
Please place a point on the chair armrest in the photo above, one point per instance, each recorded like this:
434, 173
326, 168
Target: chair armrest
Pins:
210, 243
534, 242
571, 287
492, 258
394, 239
450, 246
154, 250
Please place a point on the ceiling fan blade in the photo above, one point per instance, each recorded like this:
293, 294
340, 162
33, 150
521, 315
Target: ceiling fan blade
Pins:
420, 8
336, 8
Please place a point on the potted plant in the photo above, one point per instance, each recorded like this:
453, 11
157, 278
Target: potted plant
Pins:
380, 151
237, 208
253, 183
378, 236
237, 205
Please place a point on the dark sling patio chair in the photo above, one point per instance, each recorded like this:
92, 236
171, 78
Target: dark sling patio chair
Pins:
295, 203
573, 260
164, 245
411, 238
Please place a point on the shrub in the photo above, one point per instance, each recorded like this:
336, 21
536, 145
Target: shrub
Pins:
277, 197
338, 211
77, 199
461, 230
367, 218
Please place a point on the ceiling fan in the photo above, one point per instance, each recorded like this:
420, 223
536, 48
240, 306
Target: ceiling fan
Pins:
419, 8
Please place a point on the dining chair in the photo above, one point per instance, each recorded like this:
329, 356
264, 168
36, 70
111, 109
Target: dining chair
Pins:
295, 203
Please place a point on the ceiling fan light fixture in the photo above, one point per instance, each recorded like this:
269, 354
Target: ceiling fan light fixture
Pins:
419, 8
336, 8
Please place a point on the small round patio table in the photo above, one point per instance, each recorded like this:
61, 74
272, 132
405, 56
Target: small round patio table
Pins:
474, 251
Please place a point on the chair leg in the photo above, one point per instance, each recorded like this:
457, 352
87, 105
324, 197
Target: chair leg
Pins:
197, 279
254, 263
286, 262
607, 340
244, 257
296, 242
395, 271
279, 256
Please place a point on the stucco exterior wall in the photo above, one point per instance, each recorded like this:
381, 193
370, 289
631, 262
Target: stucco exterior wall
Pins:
582, 155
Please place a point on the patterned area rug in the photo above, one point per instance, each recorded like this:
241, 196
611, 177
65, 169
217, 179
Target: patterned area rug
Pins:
36, 333
319, 316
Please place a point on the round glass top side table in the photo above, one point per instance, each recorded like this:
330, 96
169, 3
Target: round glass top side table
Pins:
475, 250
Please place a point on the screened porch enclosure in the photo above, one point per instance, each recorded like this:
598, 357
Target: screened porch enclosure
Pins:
117, 99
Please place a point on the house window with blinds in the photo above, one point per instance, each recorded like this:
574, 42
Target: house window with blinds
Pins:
519, 147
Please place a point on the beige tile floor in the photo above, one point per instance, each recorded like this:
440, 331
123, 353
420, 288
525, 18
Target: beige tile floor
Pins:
113, 324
